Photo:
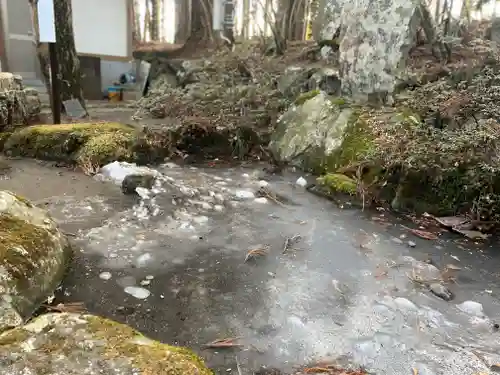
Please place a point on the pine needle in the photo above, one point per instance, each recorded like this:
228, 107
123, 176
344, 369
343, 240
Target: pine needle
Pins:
255, 253
223, 343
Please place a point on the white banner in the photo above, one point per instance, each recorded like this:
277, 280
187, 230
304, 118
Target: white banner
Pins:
46, 21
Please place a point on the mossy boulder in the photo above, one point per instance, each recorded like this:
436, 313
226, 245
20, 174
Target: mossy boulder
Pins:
311, 134
33, 258
72, 344
80, 143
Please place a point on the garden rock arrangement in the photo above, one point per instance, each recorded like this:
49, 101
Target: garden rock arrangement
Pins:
18, 105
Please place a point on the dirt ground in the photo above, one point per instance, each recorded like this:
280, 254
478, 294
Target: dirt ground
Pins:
39, 181
105, 111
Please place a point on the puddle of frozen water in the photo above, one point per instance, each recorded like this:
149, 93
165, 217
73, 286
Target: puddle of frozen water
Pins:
323, 297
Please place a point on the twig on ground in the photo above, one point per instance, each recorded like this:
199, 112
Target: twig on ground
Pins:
74, 307
223, 343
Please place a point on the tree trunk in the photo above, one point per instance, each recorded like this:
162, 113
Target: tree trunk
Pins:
155, 19
182, 11
201, 20
137, 22
245, 32
147, 22
69, 64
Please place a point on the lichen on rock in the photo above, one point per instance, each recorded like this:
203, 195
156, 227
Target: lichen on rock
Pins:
72, 344
33, 257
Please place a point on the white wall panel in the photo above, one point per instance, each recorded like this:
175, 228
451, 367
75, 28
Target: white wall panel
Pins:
101, 27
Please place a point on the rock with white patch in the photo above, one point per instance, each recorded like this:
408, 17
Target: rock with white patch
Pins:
117, 171
132, 183
33, 258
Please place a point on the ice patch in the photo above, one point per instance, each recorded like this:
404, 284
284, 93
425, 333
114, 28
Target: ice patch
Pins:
105, 276
137, 292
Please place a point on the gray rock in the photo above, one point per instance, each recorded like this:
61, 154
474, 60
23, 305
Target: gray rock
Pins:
33, 254
425, 271
294, 80
330, 19
308, 132
441, 291
133, 181
327, 80
375, 44
73, 344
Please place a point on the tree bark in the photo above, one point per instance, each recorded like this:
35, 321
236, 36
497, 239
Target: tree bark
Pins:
201, 21
183, 16
69, 64
137, 22
245, 32
155, 19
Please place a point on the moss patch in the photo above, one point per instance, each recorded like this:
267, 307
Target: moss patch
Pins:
154, 359
338, 183
63, 142
302, 98
356, 143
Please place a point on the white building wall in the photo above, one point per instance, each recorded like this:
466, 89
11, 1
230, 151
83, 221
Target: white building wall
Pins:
101, 27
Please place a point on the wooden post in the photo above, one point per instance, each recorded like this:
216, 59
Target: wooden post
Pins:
55, 84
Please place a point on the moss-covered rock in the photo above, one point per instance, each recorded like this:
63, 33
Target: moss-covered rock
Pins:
33, 258
338, 183
70, 142
321, 131
72, 344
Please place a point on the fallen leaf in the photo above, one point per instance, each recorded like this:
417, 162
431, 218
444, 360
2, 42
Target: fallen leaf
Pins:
316, 370
254, 253
415, 371
72, 307
223, 344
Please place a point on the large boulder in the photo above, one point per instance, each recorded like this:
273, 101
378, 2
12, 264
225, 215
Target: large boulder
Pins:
72, 344
33, 258
310, 130
375, 45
